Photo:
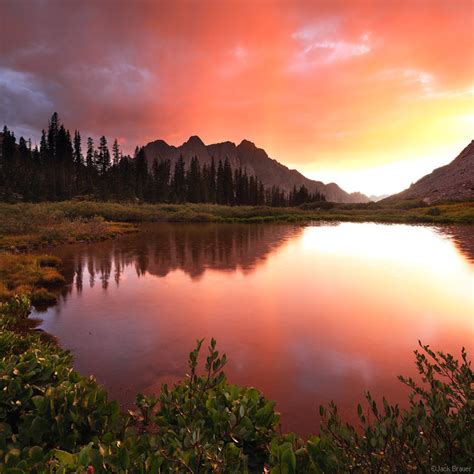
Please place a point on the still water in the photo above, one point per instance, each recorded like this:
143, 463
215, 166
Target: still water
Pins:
307, 314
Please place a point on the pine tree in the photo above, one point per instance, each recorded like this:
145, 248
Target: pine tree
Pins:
220, 184
179, 181
103, 163
78, 157
228, 184
115, 153
64, 164
90, 166
193, 181
53, 131
78, 162
141, 174
211, 182
90, 153
162, 181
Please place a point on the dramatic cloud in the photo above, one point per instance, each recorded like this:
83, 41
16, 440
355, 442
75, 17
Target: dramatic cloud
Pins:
341, 89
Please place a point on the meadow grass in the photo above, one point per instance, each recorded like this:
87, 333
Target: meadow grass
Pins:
20, 218
24, 226
27, 226
36, 276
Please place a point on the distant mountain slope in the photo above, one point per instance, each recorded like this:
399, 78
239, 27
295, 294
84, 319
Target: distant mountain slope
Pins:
454, 181
376, 197
254, 159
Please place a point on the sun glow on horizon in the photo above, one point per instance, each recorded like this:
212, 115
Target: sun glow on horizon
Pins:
385, 179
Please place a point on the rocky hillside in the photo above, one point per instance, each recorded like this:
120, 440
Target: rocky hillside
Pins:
254, 159
453, 182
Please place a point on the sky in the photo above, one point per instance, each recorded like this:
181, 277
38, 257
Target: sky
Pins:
371, 95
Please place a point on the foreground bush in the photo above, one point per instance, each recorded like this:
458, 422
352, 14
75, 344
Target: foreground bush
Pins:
54, 420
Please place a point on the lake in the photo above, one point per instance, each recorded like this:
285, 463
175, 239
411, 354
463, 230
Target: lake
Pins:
307, 314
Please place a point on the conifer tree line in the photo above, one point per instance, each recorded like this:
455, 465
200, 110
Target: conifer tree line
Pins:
64, 167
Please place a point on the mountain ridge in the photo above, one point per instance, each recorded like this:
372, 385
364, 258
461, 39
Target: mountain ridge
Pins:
254, 159
451, 182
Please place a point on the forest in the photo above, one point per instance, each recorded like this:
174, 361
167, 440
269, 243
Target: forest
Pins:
58, 169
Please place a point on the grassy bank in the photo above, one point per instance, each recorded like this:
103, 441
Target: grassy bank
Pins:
30, 226
25, 225
36, 276
52, 419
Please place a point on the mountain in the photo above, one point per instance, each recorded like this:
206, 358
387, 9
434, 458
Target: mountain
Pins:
376, 197
254, 159
453, 182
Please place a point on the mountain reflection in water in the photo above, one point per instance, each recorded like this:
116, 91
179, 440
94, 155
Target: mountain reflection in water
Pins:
305, 313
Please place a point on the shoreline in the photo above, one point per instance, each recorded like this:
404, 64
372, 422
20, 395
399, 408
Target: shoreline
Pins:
28, 226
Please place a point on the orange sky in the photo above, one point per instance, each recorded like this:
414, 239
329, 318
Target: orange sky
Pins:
369, 94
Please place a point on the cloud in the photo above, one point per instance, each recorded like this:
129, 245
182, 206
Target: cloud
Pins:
408, 76
117, 78
22, 100
338, 50
313, 32
452, 94
235, 61
425, 82
321, 44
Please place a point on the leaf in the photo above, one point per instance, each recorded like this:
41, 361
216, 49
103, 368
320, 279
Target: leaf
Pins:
85, 455
288, 459
65, 458
36, 454
124, 458
39, 426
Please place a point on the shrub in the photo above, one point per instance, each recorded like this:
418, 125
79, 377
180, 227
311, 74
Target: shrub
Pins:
212, 425
50, 277
49, 261
433, 211
17, 307
320, 205
436, 430
42, 297
146, 405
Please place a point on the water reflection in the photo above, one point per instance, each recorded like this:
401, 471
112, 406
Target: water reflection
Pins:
462, 236
161, 249
306, 314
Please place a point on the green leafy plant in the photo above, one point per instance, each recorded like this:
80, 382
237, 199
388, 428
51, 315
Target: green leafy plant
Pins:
436, 430
146, 405
211, 425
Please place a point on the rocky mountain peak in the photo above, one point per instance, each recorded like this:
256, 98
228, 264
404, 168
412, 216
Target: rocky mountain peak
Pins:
194, 140
247, 144
247, 156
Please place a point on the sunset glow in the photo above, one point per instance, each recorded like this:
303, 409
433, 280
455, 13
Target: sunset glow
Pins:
369, 94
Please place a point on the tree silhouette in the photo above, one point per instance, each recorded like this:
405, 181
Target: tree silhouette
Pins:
57, 170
